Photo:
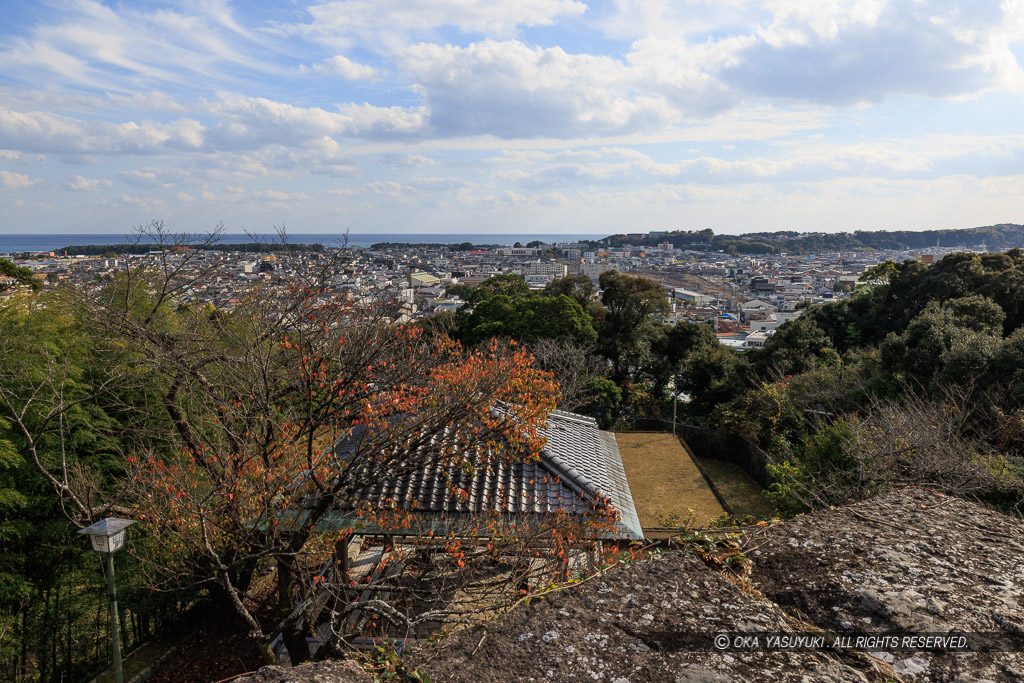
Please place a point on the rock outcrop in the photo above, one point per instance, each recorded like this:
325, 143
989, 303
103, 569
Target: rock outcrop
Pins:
623, 627
344, 671
911, 562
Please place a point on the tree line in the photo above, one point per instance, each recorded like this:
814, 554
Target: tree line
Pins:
996, 237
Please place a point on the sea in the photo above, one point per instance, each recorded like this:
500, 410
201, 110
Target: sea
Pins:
10, 244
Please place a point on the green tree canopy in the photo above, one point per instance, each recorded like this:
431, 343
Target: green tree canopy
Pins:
579, 287
527, 319
21, 274
628, 326
796, 346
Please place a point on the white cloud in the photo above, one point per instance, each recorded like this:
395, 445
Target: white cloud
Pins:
21, 158
81, 184
398, 160
16, 181
389, 22
509, 89
445, 184
837, 52
148, 204
154, 177
38, 131
278, 196
153, 100
250, 122
512, 105
845, 52
89, 44
783, 162
382, 187
343, 66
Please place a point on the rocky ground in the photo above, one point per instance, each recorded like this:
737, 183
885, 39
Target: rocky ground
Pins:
318, 672
624, 626
913, 561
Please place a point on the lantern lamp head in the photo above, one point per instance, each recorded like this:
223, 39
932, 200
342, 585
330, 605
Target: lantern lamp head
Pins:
107, 536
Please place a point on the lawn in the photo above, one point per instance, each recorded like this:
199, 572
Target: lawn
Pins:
741, 493
664, 481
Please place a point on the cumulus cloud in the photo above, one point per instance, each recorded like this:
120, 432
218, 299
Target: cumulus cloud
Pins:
397, 160
784, 162
81, 184
849, 52
15, 157
39, 131
249, 122
340, 65
509, 89
154, 177
836, 52
16, 181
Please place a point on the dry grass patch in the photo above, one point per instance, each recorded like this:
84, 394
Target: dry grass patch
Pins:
740, 491
664, 480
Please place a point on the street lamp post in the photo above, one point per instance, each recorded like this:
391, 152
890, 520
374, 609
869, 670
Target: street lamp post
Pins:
675, 406
107, 538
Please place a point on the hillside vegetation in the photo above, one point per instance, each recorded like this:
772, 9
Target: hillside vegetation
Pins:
996, 237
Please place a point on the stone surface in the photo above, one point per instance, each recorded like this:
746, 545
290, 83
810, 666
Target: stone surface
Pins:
911, 561
619, 627
342, 671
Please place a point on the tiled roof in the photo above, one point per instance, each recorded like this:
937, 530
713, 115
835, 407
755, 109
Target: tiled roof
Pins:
579, 468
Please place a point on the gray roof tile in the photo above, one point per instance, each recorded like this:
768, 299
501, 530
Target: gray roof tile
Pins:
579, 467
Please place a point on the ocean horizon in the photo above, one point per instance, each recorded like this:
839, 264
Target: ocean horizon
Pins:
55, 242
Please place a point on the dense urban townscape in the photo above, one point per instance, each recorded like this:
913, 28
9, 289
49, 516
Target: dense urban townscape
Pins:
745, 297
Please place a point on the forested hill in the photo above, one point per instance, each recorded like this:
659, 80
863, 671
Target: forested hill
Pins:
996, 237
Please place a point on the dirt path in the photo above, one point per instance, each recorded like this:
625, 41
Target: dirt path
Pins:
664, 480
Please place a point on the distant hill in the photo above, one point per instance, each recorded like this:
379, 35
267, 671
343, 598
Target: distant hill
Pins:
995, 237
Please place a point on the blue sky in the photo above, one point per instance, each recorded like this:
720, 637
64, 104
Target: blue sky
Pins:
528, 116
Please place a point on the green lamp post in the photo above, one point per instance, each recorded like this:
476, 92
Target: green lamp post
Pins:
107, 537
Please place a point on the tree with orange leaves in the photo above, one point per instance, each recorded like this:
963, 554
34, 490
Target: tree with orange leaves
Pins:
241, 470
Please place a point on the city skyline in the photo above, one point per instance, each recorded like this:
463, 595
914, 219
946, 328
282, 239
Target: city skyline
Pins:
535, 116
